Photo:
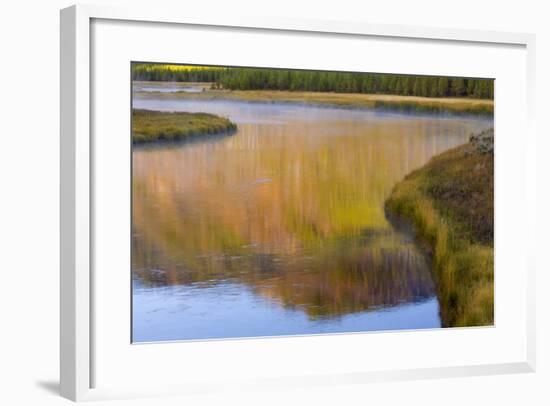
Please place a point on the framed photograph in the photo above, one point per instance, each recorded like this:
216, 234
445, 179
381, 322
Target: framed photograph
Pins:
274, 202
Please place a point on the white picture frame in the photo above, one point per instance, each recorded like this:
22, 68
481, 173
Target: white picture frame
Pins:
77, 282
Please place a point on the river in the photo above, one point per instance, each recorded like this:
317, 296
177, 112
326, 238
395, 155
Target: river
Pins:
279, 229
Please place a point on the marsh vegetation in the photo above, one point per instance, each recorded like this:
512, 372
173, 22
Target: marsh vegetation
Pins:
408, 104
151, 126
450, 203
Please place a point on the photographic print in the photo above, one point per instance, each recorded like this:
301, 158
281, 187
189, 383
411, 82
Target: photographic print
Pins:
277, 202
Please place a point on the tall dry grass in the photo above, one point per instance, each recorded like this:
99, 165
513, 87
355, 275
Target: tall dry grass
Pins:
461, 250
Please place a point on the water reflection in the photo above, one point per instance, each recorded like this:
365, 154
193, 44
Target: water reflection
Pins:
288, 213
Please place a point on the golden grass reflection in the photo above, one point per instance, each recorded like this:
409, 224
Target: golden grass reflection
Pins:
292, 208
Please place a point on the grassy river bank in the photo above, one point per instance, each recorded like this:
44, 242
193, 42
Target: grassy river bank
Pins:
454, 105
449, 202
151, 126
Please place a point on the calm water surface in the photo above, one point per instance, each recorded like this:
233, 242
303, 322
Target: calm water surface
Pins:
280, 228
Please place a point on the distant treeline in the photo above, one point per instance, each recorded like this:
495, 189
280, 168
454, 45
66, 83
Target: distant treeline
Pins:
317, 81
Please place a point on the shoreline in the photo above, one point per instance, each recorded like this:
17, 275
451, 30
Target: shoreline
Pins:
452, 230
410, 104
150, 126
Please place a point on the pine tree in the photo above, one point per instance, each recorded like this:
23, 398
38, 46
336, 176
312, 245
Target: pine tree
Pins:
458, 86
443, 86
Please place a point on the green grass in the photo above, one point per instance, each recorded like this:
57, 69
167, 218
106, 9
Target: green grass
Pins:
348, 100
151, 126
450, 204
438, 106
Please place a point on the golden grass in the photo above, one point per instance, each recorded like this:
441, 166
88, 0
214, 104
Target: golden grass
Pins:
352, 100
449, 225
150, 126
